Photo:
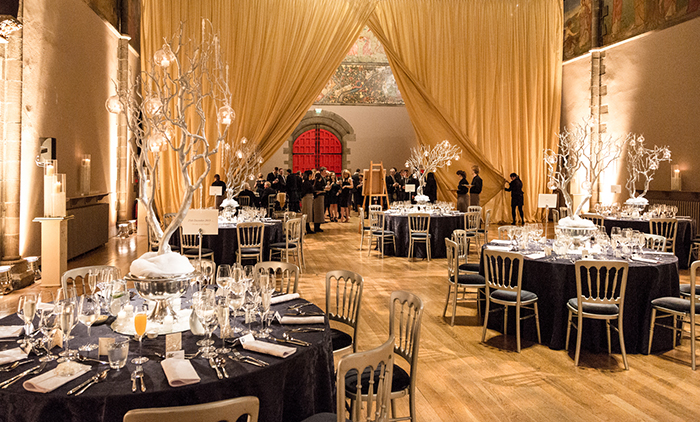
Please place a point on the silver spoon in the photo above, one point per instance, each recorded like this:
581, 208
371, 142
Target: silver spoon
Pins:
97, 378
32, 371
221, 363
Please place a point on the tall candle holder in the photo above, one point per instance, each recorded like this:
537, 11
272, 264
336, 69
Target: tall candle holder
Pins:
85, 175
58, 196
50, 179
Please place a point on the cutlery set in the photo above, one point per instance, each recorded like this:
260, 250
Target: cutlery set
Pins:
136, 377
100, 376
31, 371
238, 356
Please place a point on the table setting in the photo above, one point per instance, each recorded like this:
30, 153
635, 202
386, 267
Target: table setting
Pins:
548, 271
241, 329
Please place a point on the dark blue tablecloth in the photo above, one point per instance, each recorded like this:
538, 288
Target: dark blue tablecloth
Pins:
289, 389
441, 227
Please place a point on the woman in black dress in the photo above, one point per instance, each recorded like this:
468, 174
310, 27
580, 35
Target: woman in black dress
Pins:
430, 189
332, 198
307, 198
477, 185
517, 197
462, 192
344, 197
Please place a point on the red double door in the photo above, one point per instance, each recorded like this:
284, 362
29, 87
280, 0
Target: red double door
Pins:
317, 148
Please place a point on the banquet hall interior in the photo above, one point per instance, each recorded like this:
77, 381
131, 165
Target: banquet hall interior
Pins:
366, 84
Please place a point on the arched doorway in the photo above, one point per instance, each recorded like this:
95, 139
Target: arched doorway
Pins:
317, 148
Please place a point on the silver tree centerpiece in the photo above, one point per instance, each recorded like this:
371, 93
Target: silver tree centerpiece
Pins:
242, 161
167, 108
425, 159
642, 164
580, 152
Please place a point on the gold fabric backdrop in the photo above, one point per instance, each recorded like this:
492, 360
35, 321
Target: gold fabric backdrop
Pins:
484, 74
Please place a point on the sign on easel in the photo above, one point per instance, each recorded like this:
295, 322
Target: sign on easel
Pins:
216, 190
206, 219
615, 188
410, 187
547, 200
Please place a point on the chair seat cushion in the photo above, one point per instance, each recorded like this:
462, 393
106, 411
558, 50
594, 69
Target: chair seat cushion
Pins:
340, 339
471, 280
386, 232
195, 251
511, 296
400, 381
685, 290
676, 304
469, 267
595, 308
420, 235
282, 245
249, 251
323, 417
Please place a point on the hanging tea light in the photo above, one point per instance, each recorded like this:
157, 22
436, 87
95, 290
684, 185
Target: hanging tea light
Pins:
164, 56
226, 115
114, 105
152, 106
156, 142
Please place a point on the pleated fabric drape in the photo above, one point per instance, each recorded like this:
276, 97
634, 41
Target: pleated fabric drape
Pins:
281, 53
485, 75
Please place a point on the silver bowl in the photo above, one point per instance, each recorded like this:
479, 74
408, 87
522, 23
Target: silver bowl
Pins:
161, 290
577, 234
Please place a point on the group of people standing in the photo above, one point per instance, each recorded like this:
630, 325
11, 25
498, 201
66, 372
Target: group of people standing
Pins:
396, 183
469, 194
322, 192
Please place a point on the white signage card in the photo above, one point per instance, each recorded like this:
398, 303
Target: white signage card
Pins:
616, 189
216, 190
410, 188
207, 220
547, 200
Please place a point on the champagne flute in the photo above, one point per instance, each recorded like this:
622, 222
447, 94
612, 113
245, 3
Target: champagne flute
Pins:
26, 307
207, 314
92, 281
49, 324
265, 315
224, 326
66, 319
87, 314
140, 323
236, 296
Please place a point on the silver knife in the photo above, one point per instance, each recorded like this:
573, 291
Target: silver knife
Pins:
72, 391
16, 377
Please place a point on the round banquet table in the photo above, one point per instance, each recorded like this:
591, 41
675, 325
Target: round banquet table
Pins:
225, 244
554, 283
441, 227
289, 389
684, 233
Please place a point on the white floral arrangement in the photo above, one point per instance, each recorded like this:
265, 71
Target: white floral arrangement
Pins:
576, 223
229, 202
422, 198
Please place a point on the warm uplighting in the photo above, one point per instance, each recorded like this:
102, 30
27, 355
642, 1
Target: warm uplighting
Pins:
113, 105
226, 115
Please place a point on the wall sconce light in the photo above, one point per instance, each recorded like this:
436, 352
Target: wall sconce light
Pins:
675, 177
318, 110
8, 25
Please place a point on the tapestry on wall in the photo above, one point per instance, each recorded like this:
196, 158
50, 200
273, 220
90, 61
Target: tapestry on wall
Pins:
364, 77
622, 19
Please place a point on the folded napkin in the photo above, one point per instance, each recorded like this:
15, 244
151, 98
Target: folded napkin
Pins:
267, 348
51, 380
498, 248
303, 320
8, 331
658, 253
501, 242
284, 298
179, 372
537, 255
640, 259
11, 355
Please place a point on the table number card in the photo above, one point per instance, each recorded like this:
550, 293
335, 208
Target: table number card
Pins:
173, 342
104, 343
57, 340
206, 220
216, 190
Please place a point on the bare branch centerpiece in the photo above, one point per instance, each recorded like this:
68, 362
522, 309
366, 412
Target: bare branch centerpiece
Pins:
167, 108
580, 151
642, 163
242, 160
425, 159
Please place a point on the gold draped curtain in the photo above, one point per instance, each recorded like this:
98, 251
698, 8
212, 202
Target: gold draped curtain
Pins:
281, 53
483, 74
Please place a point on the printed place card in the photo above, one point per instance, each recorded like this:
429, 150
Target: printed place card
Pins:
173, 342
104, 343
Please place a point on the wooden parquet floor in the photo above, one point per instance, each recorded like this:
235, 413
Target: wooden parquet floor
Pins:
461, 379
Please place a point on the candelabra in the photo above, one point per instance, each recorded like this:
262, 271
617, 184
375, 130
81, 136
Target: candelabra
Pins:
642, 163
579, 150
424, 160
166, 110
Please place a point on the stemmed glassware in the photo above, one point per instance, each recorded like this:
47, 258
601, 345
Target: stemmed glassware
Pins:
223, 275
252, 301
140, 323
26, 308
207, 314
224, 326
267, 287
49, 323
88, 312
236, 295
66, 313
63, 296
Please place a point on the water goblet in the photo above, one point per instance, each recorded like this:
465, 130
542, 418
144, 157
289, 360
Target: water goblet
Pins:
140, 324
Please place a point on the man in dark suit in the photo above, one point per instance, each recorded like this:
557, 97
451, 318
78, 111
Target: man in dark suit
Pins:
356, 193
293, 185
392, 184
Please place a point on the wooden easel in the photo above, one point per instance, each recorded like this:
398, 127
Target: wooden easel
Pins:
374, 184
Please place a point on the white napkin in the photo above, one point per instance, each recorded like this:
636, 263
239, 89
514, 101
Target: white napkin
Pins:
267, 348
49, 381
8, 331
640, 259
501, 242
179, 372
11, 355
537, 255
284, 298
658, 253
303, 320
498, 248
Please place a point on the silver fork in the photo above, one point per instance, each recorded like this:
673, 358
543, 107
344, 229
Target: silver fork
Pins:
213, 364
248, 359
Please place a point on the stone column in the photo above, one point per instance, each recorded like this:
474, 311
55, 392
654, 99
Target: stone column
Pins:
123, 207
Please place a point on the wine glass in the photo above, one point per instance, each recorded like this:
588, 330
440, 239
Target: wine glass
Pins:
49, 324
140, 323
223, 275
236, 295
207, 314
222, 308
26, 307
89, 311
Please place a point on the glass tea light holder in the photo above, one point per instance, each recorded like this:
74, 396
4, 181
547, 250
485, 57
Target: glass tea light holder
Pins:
85, 175
50, 170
